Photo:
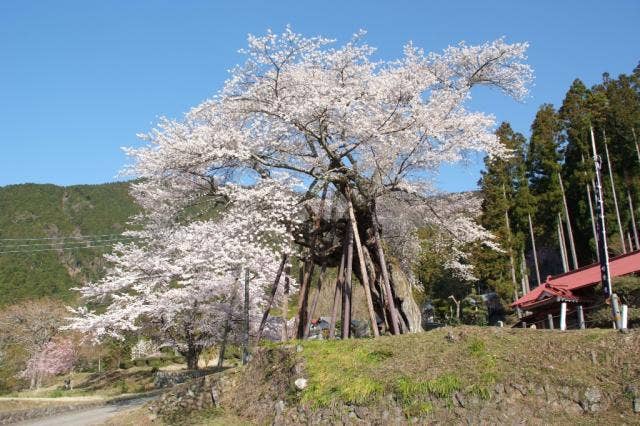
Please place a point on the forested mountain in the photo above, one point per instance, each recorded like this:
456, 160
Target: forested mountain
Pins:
52, 237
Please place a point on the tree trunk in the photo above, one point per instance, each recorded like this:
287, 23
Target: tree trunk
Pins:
191, 355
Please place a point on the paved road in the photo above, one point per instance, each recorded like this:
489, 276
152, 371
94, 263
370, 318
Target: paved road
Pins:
90, 416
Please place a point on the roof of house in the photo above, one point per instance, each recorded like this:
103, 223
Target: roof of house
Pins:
561, 287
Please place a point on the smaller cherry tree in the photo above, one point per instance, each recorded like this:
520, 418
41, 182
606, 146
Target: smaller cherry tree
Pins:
181, 283
56, 357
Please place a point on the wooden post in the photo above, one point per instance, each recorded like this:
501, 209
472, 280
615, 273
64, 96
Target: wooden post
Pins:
511, 261
550, 321
346, 287
523, 274
581, 317
593, 221
533, 247
363, 266
572, 245
303, 298
524, 324
227, 324
389, 301
563, 247
314, 304
615, 196
272, 295
635, 140
563, 316
625, 309
285, 303
633, 220
337, 295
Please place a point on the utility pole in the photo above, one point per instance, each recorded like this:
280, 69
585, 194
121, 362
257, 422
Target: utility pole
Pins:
602, 237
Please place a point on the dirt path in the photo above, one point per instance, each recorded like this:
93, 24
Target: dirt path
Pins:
91, 416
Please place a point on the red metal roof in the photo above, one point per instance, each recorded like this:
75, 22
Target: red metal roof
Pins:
562, 286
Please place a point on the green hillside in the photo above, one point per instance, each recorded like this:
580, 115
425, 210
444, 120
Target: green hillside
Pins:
49, 215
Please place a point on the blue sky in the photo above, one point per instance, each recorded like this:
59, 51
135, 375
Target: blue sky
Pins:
79, 79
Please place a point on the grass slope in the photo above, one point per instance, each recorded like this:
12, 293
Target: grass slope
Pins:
491, 374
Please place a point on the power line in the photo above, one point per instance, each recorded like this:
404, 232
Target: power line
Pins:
56, 249
62, 243
61, 238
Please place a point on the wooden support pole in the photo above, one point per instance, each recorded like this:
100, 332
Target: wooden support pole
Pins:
227, 324
272, 295
533, 248
581, 322
563, 247
285, 303
593, 221
633, 220
314, 304
386, 282
511, 261
524, 277
363, 266
572, 245
550, 321
635, 141
346, 287
337, 295
615, 196
563, 316
303, 298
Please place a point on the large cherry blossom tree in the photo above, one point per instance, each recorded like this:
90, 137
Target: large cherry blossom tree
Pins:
337, 127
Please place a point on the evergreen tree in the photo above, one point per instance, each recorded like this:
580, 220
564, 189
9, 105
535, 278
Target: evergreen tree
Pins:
497, 186
577, 167
543, 168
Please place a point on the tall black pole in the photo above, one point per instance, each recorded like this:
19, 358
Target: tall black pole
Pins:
605, 273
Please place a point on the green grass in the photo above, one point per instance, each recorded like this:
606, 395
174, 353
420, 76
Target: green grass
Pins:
424, 370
